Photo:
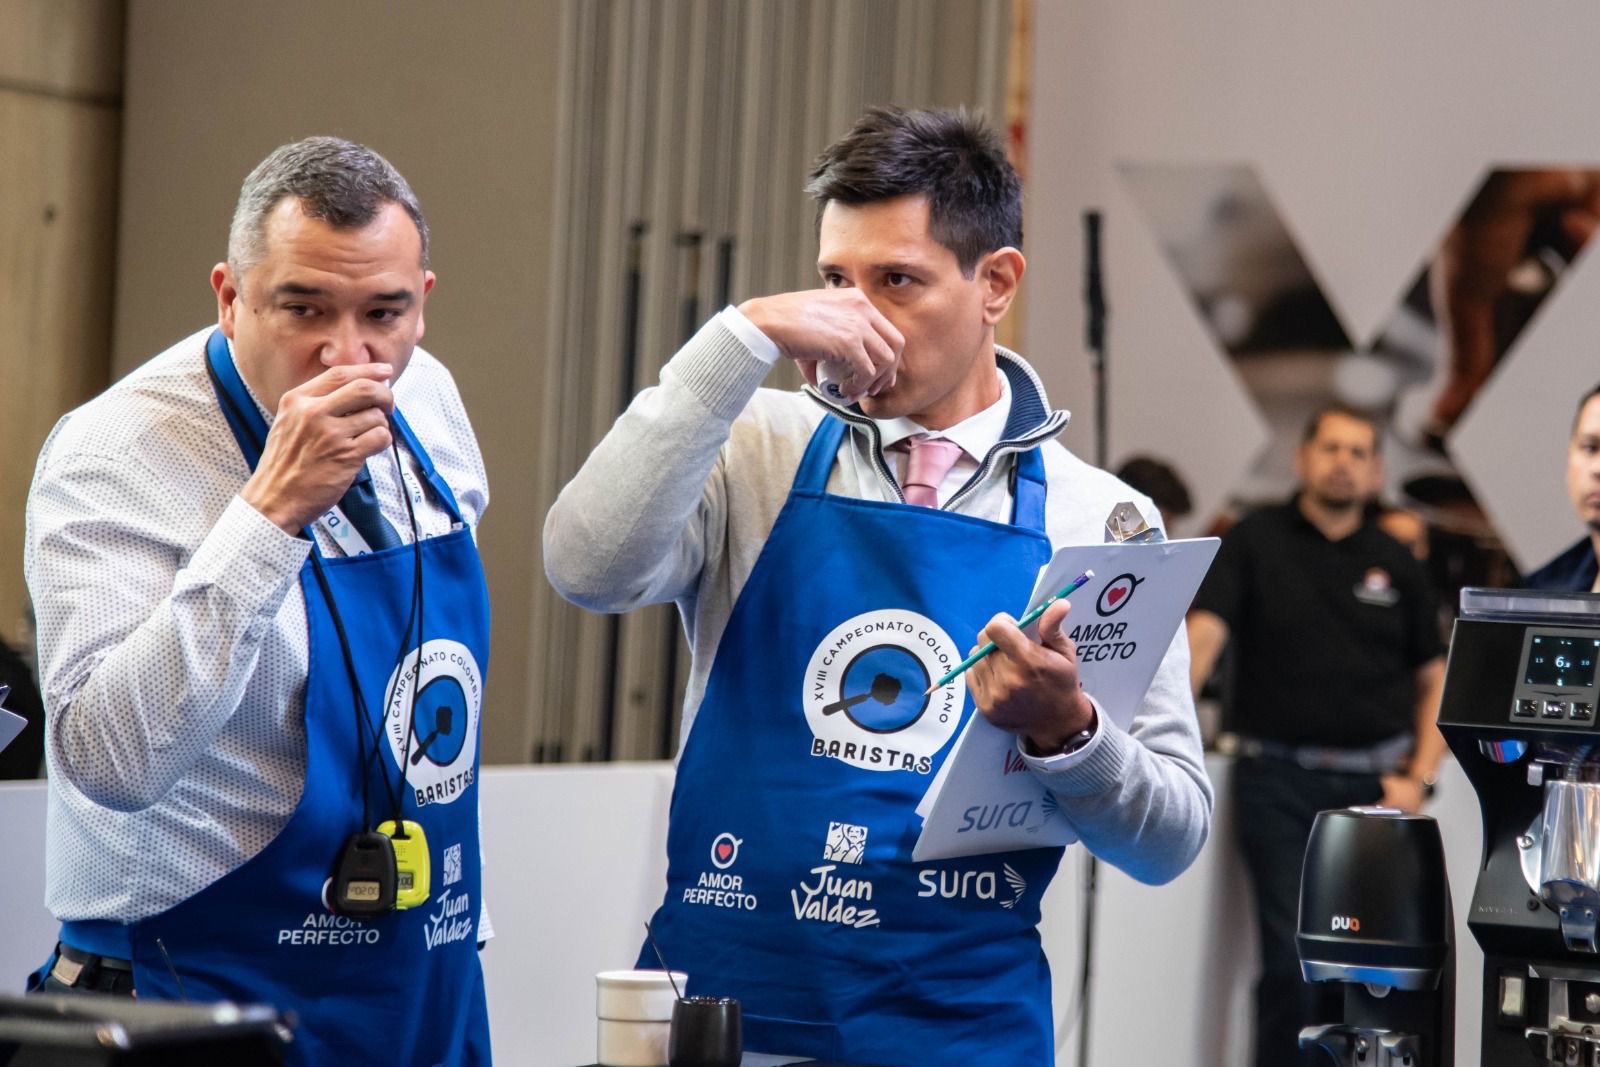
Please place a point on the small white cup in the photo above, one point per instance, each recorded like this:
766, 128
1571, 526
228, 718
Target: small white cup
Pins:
634, 1014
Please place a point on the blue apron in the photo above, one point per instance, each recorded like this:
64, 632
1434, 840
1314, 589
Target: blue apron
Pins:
405, 988
790, 883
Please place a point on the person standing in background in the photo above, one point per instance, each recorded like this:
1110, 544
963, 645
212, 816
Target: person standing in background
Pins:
1576, 569
1338, 669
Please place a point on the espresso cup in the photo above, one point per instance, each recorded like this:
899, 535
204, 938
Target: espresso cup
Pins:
706, 1032
633, 1011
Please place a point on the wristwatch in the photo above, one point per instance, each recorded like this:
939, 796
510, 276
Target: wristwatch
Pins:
1072, 744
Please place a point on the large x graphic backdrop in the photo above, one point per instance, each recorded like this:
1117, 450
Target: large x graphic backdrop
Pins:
1461, 315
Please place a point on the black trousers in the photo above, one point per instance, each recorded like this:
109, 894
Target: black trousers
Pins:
1275, 802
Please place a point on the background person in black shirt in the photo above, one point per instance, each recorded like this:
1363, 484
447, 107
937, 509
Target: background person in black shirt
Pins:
1576, 568
1337, 674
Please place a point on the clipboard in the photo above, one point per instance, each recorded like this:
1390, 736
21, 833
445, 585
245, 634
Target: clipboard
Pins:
11, 724
983, 800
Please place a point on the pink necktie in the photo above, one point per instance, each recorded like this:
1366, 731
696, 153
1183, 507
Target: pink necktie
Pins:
930, 460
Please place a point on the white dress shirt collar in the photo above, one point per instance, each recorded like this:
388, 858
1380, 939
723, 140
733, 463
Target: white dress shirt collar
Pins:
976, 434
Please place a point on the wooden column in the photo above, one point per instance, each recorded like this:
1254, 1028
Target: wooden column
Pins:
60, 115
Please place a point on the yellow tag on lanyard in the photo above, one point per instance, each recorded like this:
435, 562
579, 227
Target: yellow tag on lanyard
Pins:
412, 865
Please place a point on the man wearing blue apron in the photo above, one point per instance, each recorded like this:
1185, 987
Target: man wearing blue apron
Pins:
263, 631
831, 551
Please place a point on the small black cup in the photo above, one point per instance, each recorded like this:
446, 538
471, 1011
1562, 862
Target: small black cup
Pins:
705, 1033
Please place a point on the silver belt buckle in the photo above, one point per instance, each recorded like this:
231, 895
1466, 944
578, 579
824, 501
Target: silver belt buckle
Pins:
66, 971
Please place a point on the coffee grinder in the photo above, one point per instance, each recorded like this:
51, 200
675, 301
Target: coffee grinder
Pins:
1375, 916
1519, 712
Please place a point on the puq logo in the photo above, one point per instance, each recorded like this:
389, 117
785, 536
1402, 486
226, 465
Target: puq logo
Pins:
1346, 922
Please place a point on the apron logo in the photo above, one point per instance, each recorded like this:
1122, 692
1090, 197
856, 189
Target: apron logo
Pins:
329, 929
724, 851
443, 735
1115, 596
718, 889
452, 865
836, 901
972, 885
847, 843
864, 690
452, 922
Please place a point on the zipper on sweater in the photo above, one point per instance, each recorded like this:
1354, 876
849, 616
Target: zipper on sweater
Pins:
1046, 430
1021, 444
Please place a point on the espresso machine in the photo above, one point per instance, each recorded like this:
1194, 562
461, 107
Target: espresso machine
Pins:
1519, 710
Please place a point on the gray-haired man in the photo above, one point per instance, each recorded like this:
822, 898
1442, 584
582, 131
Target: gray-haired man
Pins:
247, 794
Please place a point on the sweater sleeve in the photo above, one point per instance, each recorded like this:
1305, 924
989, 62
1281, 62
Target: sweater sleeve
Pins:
1140, 800
631, 527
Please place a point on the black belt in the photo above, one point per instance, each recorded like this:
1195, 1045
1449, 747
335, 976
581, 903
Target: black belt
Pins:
1385, 757
89, 971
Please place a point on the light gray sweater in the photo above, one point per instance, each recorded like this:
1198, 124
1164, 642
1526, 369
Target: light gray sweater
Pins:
677, 500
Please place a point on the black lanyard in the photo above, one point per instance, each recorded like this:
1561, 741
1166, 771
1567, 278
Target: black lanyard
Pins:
366, 731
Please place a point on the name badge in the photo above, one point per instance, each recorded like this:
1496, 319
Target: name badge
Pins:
343, 532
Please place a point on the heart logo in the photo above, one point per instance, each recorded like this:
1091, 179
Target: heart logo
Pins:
724, 850
1117, 594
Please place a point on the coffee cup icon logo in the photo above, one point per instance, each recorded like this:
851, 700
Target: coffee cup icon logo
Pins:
1116, 594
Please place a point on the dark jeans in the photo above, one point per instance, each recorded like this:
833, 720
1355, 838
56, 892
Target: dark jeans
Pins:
1275, 802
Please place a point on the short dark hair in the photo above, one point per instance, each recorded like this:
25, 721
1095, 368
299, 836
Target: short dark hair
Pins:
1158, 481
1583, 402
1314, 423
948, 155
336, 181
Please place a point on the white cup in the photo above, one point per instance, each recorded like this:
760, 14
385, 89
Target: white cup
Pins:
634, 1015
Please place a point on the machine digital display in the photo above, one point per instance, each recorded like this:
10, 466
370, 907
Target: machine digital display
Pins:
1562, 660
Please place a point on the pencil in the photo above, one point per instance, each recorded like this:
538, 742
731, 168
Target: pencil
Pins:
1027, 620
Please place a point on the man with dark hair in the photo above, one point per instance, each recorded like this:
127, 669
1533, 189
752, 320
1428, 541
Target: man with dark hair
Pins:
1337, 673
1576, 568
828, 550
1161, 483
245, 794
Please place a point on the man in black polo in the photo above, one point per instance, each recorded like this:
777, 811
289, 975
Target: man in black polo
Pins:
1576, 569
1337, 673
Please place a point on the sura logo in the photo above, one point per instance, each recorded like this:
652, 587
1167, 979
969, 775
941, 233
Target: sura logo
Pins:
971, 885
1347, 922
1014, 814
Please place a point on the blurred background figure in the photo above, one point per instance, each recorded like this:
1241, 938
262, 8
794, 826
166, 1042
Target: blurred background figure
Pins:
24, 757
1161, 483
1576, 568
1337, 669
1404, 525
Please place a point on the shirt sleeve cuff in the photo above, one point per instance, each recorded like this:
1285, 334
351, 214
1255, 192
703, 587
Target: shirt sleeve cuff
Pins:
1061, 761
760, 345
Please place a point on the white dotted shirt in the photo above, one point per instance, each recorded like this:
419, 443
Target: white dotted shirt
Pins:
172, 631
